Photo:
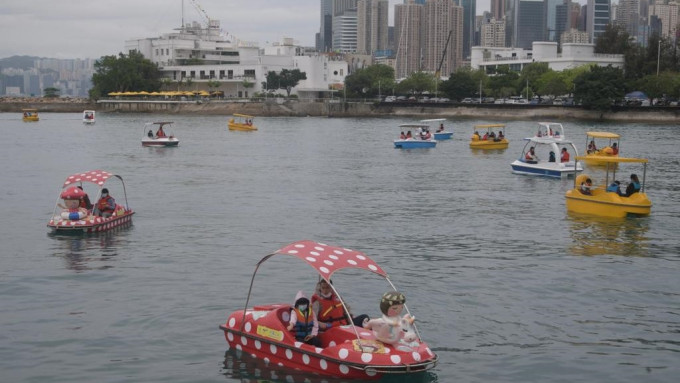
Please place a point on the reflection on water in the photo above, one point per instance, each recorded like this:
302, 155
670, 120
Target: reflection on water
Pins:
246, 368
593, 235
87, 252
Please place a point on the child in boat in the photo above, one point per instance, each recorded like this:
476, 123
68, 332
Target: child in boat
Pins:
585, 186
303, 321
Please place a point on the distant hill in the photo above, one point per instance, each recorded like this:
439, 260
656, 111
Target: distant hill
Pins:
18, 62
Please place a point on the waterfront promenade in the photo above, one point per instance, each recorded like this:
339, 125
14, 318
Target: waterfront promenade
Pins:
341, 108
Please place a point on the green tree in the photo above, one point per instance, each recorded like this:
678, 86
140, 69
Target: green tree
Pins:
614, 40
51, 92
665, 84
600, 88
552, 83
460, 84
123, 74
531, 75
504, 83
371, 81
417, 83
287, 79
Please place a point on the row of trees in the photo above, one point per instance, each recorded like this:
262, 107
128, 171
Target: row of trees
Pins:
652, 69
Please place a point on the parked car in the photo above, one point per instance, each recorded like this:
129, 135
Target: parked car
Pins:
467, 100
390, 99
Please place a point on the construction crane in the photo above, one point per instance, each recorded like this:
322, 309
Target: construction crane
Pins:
202, 12
441, 62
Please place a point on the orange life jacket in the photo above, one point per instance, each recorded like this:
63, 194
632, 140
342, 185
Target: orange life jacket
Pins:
330, 310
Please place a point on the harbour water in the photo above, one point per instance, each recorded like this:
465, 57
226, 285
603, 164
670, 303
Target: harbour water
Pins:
505, 285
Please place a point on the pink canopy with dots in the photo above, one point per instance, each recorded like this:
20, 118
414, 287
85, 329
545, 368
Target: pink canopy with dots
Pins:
98, 177
328, 259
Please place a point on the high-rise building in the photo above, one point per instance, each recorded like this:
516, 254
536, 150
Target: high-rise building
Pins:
551, 33
574, 36
493, 33
324, 42
345, 32
442, 18
628, 16
562, 15
329, 10
498, 9
668, 15
407, 33
372, 25
469, 16
598, 17
530, 23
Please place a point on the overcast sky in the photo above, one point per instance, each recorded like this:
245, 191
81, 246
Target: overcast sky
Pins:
95, 28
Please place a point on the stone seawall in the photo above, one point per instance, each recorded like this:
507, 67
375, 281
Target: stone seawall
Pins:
337, 108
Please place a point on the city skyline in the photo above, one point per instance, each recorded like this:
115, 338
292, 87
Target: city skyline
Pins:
93, 29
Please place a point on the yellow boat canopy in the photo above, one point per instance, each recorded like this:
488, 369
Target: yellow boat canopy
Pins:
489, 126
612, 159
242, 115
29, 110
602, 135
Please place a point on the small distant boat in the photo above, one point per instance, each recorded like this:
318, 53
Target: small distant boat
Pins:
345, 351
547, 163
422, 138
30, 115
606, 200
158, 134
440, 132
490, 139
241, 122
88, 117
610, 149
78, 215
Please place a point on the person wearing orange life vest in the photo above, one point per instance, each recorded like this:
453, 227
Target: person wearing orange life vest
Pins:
564, 157
329, 309
106, 204
303, 321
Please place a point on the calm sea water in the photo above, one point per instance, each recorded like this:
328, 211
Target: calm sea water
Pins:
505, 285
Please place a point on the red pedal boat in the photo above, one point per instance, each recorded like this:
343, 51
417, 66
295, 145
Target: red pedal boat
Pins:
76, 216
346, 351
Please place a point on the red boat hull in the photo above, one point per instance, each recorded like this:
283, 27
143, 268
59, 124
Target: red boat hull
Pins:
263, 335
91, 224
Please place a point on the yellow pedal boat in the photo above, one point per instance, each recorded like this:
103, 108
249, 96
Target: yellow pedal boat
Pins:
610, 149
497, 141
30, 115
242, 122
607, 200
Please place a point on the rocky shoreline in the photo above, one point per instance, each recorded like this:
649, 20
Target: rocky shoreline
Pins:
338, 108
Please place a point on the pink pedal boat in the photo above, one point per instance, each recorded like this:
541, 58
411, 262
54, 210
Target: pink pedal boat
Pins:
346, 351
75, 218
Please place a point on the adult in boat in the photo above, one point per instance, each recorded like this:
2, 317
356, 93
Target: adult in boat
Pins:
402, 136
531, 156
633, 186
441, 128
106, 205
329, 310
160, 133
564, 157
409, 135
615, 149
